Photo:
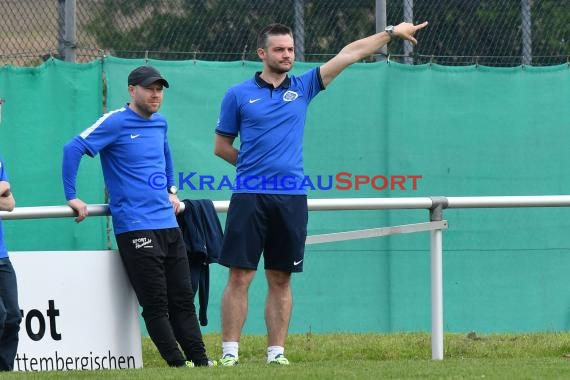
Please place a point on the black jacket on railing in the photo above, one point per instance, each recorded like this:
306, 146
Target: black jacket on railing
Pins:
202, 233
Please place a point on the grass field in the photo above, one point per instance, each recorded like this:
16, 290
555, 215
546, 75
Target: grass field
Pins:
366, 356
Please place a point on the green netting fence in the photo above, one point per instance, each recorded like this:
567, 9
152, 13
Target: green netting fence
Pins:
467, 131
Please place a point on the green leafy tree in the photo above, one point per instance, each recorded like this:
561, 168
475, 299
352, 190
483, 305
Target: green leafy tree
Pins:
460, 32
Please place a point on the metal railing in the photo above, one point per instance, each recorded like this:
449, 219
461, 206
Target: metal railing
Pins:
435, 205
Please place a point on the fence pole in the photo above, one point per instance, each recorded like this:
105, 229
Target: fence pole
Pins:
60, 28
380, 14
408, 17
526, 27
70, 40
299, 32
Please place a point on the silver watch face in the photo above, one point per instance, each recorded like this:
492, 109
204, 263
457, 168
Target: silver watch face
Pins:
172, 189
390, 29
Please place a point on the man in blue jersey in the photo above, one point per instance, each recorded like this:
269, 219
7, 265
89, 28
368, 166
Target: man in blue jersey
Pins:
268, 209
133, 146
10, 316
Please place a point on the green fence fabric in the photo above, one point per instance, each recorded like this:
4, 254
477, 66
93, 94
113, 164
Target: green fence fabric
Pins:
44, 107
467, 131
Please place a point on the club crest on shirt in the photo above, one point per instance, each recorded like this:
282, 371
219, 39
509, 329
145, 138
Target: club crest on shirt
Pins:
289, 96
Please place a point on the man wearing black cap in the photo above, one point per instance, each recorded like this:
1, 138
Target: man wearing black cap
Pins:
134, 151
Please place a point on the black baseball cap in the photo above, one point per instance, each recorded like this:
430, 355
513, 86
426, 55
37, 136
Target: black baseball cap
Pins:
145, 76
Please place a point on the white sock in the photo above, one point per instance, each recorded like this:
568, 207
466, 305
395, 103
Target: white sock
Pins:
230, 348
273, 351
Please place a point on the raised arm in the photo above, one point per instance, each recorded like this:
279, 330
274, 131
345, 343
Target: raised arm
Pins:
360, 49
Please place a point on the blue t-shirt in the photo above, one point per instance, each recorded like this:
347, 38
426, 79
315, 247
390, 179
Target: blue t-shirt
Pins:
3, 177
270, 123
137, 167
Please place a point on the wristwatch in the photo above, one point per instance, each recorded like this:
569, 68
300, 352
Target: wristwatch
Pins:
390, 30
172, 190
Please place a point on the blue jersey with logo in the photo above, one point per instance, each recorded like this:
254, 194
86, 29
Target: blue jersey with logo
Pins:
137, 167
3, 177
270, 123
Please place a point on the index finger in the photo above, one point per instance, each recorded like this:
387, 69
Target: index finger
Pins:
421, 26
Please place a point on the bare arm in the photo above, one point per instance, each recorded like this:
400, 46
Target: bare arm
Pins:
360, 49
224, 148
80, 207
175, 202
7, 201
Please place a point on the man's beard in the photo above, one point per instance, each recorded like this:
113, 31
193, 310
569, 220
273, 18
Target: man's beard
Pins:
277, 69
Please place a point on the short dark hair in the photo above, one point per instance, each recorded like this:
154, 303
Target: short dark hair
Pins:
272, 30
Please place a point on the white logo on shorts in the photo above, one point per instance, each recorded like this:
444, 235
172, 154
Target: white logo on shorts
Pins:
295, 263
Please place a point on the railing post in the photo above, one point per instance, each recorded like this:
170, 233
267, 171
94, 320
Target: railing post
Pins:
436, 214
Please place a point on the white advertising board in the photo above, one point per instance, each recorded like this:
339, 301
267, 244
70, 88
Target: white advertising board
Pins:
79, 312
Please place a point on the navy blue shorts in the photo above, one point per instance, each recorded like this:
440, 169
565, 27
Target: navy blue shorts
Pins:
274, 224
